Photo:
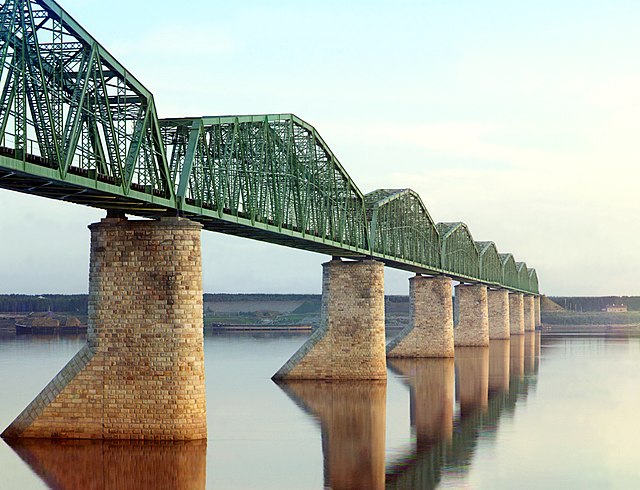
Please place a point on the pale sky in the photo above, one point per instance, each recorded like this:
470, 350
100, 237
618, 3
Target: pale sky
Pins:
518, 118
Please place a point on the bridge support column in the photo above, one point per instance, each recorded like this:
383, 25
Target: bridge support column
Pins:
529, 313
473, 324
498, 306
430, 332
350, 344
516, 313
536, 307
141, 373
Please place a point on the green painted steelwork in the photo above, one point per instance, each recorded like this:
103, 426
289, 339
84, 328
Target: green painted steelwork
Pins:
400, 227
533, 280
75, 125
272, 172
490, 264
523, 275
510, 277
459, 253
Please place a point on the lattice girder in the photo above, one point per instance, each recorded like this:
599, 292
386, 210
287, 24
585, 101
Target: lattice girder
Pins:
66, 104
268, 169
459, 253
400, 226
533, 281
509, 270
523, 276
490, 265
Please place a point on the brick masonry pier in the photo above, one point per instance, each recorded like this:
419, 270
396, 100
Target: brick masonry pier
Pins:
473, 316
536, 309
430, 331
141, 373
516, 313
350, 344
529, 313
498, 306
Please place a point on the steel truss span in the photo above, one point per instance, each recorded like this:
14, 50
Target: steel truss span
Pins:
76, 126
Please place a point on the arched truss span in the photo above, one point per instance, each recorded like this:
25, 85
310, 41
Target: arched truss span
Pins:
509, 271
523, 276
400, 226
490, 265
271, 170
459, 253
533, 281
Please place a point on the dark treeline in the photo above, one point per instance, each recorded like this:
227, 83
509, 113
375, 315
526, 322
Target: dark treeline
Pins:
596, 303
65, 303
26, 303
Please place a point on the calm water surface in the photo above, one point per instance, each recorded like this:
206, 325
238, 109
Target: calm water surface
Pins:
550, 412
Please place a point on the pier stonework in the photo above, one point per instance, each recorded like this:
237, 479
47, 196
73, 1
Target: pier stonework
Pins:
350, 343
141, 373
516, 313
498, 306
430, 331
536, 307
529, 313
473, 316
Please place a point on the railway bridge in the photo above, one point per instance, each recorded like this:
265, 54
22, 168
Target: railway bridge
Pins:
76, 126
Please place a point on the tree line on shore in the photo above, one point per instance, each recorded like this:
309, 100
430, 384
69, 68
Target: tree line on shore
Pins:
26, 303
596, 303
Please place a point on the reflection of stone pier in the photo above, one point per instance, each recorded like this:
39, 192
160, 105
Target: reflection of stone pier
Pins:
431, 383
472, 388
529, 353
516, 364
352, 418
102, 465
485, 392
499, 352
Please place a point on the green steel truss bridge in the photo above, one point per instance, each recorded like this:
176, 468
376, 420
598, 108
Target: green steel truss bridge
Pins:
76, 126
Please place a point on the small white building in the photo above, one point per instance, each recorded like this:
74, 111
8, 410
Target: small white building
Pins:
615, 308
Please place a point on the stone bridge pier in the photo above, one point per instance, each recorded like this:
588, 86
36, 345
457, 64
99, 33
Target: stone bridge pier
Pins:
350, 343
529, 313
430, 330
498, 306
472, 329
516, 313
141, 373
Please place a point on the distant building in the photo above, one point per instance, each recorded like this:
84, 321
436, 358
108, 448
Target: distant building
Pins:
615, 308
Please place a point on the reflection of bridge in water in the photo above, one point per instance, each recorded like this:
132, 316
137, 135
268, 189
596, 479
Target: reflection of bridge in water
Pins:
103, 465
352, 420
486, 389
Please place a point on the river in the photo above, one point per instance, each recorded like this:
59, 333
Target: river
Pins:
533, 412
